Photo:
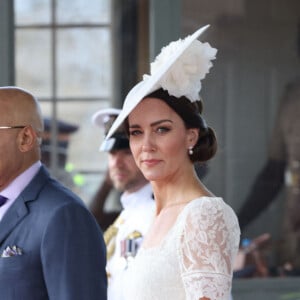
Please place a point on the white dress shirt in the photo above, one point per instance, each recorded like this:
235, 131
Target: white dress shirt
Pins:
14, 189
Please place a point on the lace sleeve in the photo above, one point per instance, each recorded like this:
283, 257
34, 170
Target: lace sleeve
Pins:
207, 249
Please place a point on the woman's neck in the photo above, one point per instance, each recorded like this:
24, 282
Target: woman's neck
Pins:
169, 194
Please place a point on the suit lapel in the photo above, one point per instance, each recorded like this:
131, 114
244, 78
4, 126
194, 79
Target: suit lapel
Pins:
19, 209
13, 216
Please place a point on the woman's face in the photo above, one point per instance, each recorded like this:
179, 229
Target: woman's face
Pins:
159, 140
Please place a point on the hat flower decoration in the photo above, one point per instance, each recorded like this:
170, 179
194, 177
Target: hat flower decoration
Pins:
178, 69
184, 77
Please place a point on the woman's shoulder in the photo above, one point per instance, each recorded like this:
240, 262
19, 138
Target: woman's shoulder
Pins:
209, 202
211, 207
206, 202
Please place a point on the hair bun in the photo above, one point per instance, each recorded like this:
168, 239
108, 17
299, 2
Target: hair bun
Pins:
206, 146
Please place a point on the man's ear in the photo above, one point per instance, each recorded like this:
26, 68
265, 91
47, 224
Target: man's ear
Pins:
27, 139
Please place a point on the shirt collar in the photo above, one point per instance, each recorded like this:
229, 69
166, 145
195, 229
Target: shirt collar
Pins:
14, 189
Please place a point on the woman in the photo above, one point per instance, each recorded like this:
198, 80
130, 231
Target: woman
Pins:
190, 248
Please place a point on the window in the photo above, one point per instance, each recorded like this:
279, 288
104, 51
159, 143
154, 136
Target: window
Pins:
63, 56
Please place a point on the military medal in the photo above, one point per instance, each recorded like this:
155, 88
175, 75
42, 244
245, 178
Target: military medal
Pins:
130, 245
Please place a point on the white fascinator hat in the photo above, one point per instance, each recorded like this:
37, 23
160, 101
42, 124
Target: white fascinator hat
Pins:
178, 69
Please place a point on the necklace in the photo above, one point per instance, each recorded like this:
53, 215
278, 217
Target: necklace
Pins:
176, 204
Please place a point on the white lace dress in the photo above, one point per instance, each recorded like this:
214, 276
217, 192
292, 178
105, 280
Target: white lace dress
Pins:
194, 260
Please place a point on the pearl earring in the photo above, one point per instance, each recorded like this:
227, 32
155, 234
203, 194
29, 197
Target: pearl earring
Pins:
191, 152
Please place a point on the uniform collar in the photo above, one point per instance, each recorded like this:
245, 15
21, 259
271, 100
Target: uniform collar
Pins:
137, 198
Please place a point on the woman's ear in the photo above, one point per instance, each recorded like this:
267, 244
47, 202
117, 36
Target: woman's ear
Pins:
193, 136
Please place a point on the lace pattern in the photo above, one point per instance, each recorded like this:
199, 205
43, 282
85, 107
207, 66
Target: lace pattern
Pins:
194, 260
207, 249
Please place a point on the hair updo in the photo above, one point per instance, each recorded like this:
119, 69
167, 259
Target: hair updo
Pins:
190, 113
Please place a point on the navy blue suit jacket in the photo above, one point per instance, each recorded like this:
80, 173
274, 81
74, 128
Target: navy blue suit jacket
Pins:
64, 254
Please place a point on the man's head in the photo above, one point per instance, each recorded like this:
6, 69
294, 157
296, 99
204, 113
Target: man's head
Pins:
123, 171
20, 134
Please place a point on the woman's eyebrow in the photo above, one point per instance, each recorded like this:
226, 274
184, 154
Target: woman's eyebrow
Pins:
152, 124
161, 121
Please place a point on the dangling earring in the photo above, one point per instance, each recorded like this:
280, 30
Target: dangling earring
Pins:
191, 152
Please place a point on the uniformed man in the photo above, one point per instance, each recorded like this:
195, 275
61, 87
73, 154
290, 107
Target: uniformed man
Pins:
281, 169
125, 235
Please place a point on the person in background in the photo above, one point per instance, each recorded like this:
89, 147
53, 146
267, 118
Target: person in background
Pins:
64, 132
190, 248
281, 170
125, 235
104, 208
51, 246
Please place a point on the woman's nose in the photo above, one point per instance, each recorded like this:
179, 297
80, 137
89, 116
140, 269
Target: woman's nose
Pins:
148, 143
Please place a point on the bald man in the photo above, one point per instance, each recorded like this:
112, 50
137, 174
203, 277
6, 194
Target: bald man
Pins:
50, 245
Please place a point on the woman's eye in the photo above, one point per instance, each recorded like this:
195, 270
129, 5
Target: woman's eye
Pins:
162, 129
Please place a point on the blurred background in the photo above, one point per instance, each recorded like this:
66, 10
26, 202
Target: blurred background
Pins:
80, 56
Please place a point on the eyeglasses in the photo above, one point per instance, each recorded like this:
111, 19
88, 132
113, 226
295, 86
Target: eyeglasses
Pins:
12, 127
